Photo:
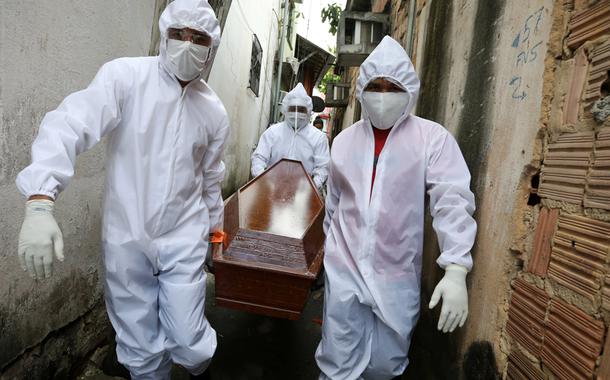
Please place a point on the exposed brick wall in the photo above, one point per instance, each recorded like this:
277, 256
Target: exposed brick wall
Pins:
560, 304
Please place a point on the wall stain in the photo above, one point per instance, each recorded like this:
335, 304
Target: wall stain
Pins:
472, 133
18, 334
436, 62
474, 126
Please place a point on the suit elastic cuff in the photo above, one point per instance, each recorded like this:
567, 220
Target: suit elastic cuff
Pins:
456, 267
51, 194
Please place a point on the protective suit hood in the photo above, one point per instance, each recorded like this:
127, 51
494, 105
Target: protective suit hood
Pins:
194, 14
391, 61
297, 97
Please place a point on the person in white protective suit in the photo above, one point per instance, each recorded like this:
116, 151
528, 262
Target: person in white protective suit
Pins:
167, 131
381, 168
295, 138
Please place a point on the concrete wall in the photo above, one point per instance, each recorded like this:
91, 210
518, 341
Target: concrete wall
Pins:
482, 65
50, 49
249, 114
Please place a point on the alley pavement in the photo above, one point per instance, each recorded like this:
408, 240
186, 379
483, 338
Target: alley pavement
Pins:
250, 346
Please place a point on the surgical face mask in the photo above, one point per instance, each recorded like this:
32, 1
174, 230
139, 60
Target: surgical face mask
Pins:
297, 120
385, 108
186, 59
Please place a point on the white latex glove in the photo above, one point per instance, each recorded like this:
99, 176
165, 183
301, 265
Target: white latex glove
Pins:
39, 239
452, 289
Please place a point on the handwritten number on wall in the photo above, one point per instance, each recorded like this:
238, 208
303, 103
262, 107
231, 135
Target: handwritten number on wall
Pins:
527, 51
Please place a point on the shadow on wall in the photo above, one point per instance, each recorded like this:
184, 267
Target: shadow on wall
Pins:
480, 362
435, 355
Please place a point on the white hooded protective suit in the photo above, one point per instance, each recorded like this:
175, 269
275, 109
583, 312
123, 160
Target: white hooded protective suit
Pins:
162, 195
374, 238
307, 144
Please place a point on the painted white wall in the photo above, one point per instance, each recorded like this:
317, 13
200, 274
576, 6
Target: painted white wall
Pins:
49, 50
230, 75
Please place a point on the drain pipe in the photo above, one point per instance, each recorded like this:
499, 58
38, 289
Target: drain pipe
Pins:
276, 95
411, 27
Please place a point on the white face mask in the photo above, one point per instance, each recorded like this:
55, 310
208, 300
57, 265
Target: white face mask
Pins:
186, 59
385, 108
297, 120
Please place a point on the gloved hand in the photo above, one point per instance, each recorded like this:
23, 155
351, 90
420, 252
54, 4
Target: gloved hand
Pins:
452, 288
39, 239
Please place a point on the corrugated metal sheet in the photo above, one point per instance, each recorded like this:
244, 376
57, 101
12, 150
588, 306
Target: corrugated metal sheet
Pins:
580, 249
520, 367
541, 252
597, 194
526, 315
598, 73
589, 24
566, 162
572, 342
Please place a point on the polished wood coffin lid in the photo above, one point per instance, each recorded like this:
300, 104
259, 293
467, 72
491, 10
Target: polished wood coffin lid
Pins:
274, 245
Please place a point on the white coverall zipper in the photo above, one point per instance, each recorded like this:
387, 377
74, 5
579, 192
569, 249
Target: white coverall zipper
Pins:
172, 161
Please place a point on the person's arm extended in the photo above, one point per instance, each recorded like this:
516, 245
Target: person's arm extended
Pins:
262, 154
79, 123
451, 206
333, 192
321, 160
213, 174
451, 202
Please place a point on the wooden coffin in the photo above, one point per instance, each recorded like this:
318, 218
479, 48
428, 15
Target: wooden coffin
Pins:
274, 246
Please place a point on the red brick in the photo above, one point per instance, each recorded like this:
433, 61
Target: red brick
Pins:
597, 194
589, 24
541, 252
572, 342
563, 174
598, 74
603, 372
520, 367
580, 250
577, 82
526, 315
